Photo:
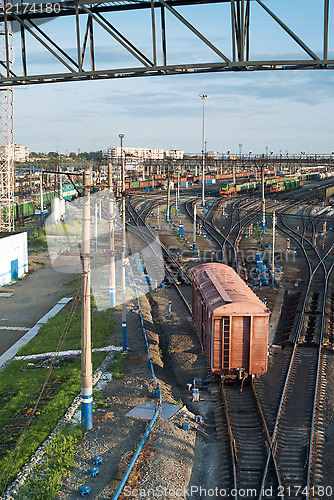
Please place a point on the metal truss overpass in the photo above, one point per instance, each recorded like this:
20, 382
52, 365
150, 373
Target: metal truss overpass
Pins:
82, 61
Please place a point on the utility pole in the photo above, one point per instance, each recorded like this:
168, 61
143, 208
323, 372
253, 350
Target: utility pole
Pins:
95, 227
194, 230
41, 195
233, 173
203, 97
124, 339
112, 276
263, 201
178, 184
168, 194
273, 259
60, 186
86, 348
7, 171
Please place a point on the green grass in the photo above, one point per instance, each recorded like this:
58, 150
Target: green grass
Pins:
117, 366
37, 238
47, 338
99, 401
58, 462
21, 384
71, 228
26, 386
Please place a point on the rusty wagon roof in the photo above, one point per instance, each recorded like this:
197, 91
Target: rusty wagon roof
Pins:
225, 292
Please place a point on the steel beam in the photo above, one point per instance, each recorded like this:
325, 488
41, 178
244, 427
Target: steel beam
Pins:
94, 14
326, 26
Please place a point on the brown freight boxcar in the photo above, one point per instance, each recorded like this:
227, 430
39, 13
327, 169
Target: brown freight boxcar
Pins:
230, 320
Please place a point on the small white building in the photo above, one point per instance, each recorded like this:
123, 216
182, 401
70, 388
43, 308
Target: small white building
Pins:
13, 256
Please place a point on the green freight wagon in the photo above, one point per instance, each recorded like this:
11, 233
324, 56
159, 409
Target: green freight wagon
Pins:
325, 192
134, 185
244, 186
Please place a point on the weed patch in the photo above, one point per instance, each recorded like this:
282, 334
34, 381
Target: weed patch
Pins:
117, 366
37, 238
21, 389
58, 462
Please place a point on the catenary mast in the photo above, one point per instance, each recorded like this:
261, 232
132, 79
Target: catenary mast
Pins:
6, 131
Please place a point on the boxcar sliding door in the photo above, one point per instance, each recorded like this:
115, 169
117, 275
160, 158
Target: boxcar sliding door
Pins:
240, 342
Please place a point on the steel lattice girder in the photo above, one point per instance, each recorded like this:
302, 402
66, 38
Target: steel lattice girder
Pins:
27, 21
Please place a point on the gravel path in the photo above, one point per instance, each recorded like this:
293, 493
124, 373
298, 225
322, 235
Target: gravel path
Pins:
167, 459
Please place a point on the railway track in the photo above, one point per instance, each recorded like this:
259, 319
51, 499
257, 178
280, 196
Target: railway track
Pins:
294, 428
249, 436
279, 455
175, 273
240, 422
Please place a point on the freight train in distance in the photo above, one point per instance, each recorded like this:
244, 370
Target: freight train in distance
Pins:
27, 207
275, 184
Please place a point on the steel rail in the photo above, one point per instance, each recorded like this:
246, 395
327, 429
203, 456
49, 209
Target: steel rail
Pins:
200, 218
231, 439
241, 227
327, 276
185, 277
167, 270
258, 405
309, 464
140, 217
321, 259
271, 441
267, 439
293, 354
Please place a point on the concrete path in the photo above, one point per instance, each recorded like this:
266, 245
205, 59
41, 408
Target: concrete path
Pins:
12, 350
33, 297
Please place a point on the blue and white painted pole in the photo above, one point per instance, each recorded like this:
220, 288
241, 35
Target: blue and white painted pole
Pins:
86, 347
181, 232
273, 258
124, 335
263, 223
194, 229
263, 201
113, 297
95, 227
112, 276
168, 199
203, 97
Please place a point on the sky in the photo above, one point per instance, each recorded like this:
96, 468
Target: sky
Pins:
290, 111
